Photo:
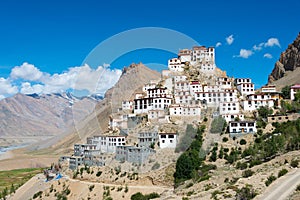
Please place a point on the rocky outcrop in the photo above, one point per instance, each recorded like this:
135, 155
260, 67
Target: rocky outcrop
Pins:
289, 61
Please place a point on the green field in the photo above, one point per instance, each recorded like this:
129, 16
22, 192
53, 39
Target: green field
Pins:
16, 177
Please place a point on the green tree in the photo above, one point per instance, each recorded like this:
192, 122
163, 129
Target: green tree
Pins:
264, 111
286, 91
297, 96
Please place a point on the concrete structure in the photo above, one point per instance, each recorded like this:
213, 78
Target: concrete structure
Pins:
80, 149
127, 105
294, 89
185, 110
75, 162
195, 86
133, 154
283, 118
232, 117
246, 88
269, 89
147, 138
229, 108
185, 55
167, 140
177, 79
175, 65
182, 86
242, 127
257, 100
156, 114
108, 144
213, 99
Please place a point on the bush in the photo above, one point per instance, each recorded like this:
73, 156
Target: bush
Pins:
270, 180
99, 173
247, 173
38, 194
155, 166
225, 139
245, 193
140, 196
282, 172
241, 166
91, 188
294, 163
298, 188
243, 142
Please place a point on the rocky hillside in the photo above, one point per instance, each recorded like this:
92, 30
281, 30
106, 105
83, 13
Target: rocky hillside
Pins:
287, 65
132, 79
28, 118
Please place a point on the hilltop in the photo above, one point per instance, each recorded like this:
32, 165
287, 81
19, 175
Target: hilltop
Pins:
287, 68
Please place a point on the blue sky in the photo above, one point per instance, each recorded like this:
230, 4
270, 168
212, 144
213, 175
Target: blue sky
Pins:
53, 37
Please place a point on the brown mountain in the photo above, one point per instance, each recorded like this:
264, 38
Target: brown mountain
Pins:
287, 68
131, 80
30, 118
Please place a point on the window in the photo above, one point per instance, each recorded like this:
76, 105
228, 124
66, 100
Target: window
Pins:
163, 141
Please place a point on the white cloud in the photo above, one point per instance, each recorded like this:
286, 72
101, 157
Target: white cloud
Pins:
27, 88
27, 72
7, 88
2, 97
244, 53
78, 78
258, 47
267, 55
229, 39
272, 42
82, 78
218, 44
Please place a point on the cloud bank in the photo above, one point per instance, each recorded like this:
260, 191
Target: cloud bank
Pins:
29, 79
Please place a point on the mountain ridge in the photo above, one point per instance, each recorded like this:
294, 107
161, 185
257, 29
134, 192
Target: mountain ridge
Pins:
288, 63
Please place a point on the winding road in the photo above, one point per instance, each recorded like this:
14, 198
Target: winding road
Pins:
282, 187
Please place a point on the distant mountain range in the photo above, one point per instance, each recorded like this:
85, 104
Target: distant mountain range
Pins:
287, 68
27, 118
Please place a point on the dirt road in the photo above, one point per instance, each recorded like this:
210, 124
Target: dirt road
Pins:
282, 187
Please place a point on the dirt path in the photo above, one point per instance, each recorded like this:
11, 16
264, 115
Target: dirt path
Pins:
282, 187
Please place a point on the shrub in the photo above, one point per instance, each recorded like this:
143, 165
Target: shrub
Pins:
282, 172
294, 163
245, 193
270, 180
247, 173
241, 166
298, 188
99, 173
225, 139
140, 196
38, 194
189, 185
243, 142
155, 166
91, 188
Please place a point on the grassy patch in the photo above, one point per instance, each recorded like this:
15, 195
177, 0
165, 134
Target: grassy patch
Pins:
16, 177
